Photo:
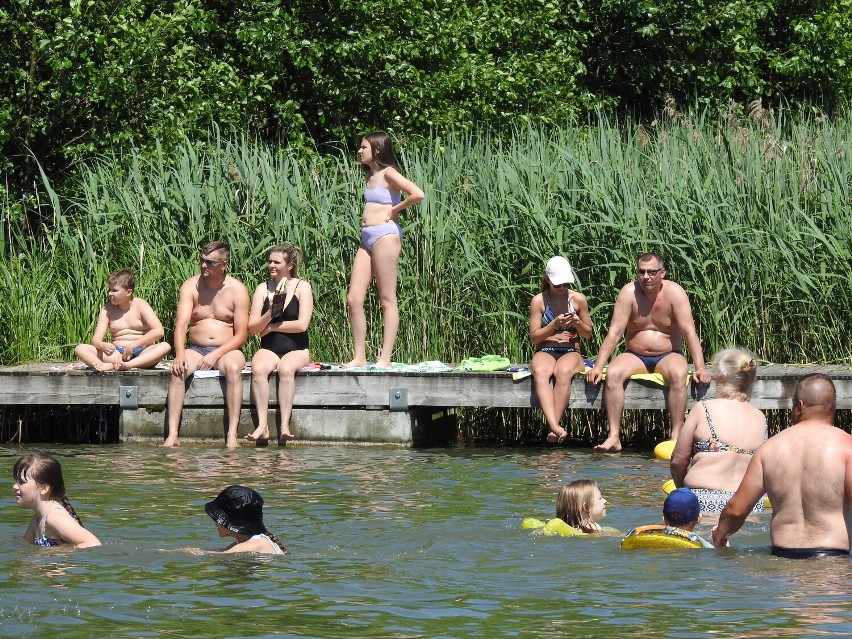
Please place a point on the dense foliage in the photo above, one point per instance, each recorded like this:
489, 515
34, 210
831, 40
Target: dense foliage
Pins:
80, 77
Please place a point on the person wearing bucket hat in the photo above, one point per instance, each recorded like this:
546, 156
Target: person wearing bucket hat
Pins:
559, 317
238, 513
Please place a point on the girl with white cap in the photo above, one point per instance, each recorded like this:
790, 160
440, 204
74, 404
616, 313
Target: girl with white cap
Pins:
559, 317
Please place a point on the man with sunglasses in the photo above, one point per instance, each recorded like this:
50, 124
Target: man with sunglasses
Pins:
213, 307
655, 318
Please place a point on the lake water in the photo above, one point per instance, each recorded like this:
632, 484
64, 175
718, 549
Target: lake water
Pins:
390, 543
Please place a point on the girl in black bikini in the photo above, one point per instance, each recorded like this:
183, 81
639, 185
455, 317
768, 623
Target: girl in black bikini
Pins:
281, 310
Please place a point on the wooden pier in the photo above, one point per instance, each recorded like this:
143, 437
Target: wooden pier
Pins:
375, 406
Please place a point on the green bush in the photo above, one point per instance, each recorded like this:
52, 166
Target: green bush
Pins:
83, 77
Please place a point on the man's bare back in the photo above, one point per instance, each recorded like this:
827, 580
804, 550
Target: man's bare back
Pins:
807, 472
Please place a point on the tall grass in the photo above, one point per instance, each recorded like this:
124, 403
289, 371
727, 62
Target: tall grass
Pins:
753, 213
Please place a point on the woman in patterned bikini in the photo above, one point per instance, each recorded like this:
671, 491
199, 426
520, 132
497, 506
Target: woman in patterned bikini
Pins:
720, 435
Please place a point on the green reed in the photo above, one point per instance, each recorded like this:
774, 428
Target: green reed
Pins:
752, 212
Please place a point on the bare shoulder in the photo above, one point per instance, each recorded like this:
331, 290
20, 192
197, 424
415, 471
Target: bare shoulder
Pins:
627, 293
190, 285
303, 287
537, 301
674, 290
233, 283
249, 545
577, 296
392, 175
138, 304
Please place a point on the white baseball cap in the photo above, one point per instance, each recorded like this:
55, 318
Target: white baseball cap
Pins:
559, 271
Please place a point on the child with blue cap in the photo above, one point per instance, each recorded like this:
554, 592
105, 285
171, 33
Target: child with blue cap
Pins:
681, 512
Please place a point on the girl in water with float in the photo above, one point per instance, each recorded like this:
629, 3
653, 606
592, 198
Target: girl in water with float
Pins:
281, 310
581, 505
559, 317
381, 244
40, 487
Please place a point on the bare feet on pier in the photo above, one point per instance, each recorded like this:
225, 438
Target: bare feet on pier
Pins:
557, 438
260, 435
610, 445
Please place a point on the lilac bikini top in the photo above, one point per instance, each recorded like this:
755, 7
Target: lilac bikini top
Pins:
381, 195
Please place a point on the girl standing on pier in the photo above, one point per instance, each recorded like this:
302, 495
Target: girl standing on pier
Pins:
381, 244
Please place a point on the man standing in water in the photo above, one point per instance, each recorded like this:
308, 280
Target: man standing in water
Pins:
655, 318
807, 471
213, 306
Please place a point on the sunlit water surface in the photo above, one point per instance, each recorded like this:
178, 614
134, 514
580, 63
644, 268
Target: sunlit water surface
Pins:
390, 543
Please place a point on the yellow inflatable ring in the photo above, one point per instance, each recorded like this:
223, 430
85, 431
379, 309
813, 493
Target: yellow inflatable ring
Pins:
553, 527
659, 536
669, 486
558, 527
664, 450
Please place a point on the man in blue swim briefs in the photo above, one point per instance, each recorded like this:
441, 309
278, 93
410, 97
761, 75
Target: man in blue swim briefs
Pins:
806, 470
213, 307
655, 318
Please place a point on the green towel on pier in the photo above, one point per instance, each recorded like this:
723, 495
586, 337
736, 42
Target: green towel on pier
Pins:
485, 363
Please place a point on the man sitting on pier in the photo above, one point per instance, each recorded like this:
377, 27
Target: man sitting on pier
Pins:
655, 318
807, 471
213, 306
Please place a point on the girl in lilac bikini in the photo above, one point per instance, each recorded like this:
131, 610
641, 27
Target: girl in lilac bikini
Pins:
39, 486
381, 244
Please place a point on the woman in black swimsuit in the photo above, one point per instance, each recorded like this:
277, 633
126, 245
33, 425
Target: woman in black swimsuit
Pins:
559, 317
281, 310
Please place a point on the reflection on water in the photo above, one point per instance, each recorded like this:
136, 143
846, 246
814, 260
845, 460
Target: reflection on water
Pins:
390, 543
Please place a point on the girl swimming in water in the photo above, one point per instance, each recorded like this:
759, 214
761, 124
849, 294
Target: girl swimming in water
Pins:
40, 487
238, 513
381, 244
581, 505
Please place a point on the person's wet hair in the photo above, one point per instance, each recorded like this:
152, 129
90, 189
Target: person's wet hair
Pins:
44, 470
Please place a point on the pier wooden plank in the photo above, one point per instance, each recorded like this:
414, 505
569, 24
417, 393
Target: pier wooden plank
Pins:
46, 384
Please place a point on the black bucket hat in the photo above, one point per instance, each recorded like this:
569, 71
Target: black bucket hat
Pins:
239, 509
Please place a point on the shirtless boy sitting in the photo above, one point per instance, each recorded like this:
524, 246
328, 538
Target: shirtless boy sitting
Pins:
213, 306
655, 318
134, 330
